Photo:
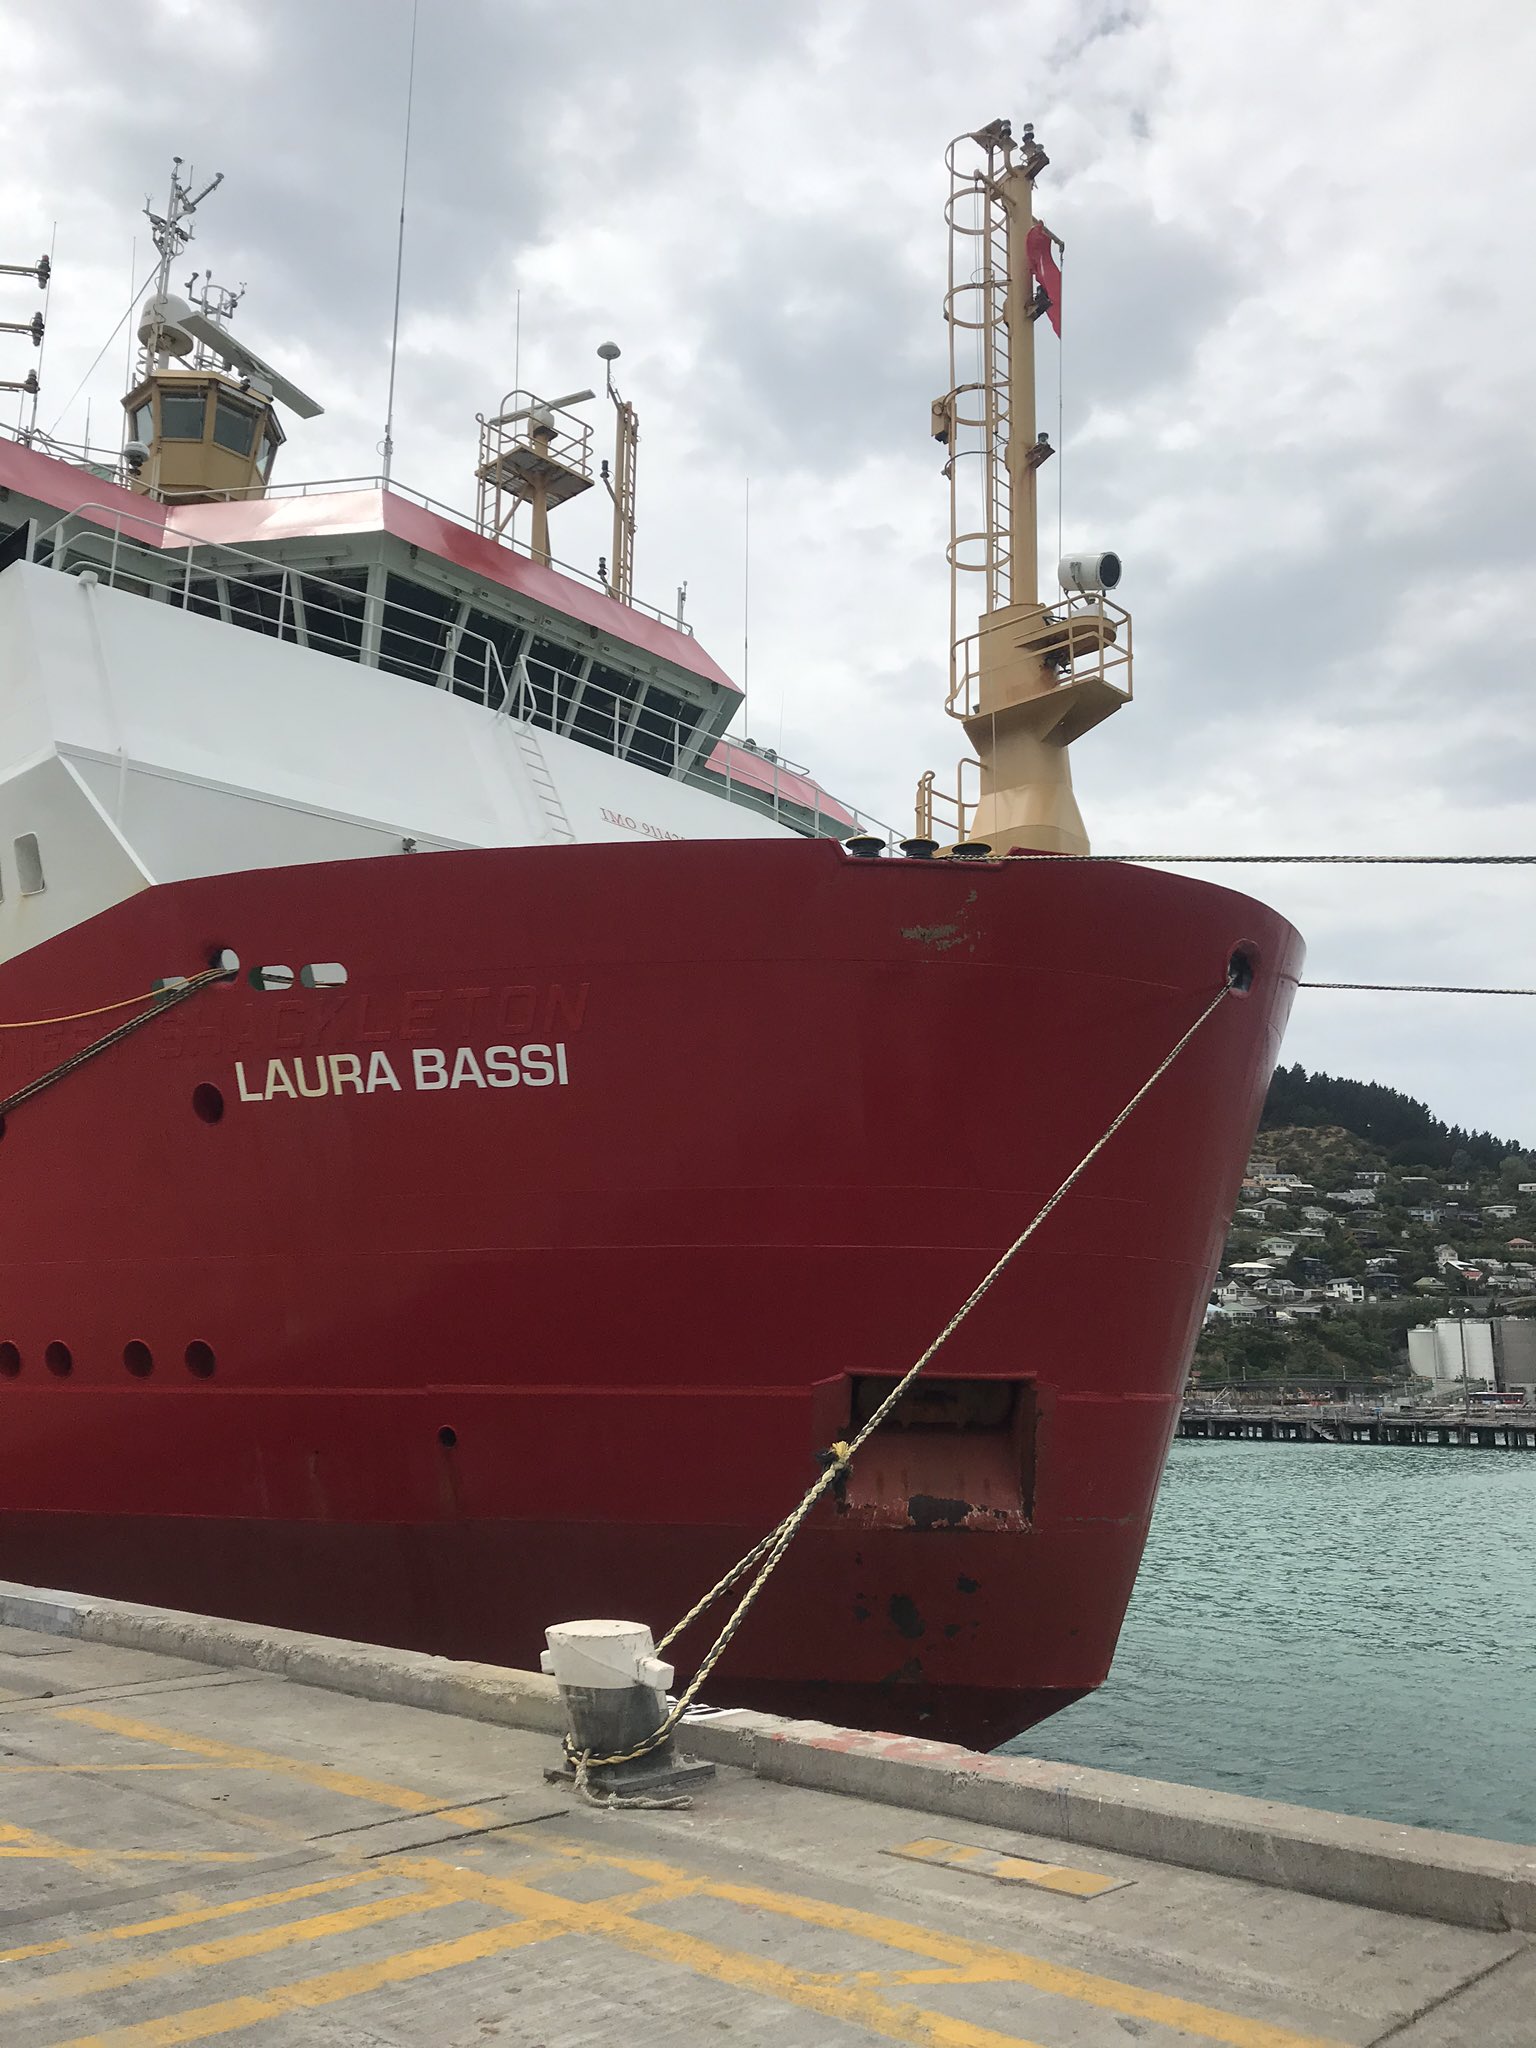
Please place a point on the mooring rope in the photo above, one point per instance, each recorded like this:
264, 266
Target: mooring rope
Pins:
167, 999
1416, 988
147, 995
767, 1553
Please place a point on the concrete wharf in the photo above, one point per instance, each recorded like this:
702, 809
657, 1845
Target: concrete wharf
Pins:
1505, 1429
211, 1831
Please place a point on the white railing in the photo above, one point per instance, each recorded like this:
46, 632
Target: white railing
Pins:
358, 622
106, 466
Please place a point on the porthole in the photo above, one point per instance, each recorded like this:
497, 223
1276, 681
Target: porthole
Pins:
60, 1360
10, 1361
139, 1359
207, 1102
200, 1359
447, 1438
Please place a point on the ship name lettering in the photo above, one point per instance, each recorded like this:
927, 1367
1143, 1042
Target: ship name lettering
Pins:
433, 1068
646, 831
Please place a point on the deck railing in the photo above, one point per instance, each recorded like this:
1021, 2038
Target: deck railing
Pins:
358, 622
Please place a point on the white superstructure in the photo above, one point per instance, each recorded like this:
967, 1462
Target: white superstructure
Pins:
141, 744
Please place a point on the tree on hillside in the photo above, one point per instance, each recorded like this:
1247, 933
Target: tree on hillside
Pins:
1397, 1124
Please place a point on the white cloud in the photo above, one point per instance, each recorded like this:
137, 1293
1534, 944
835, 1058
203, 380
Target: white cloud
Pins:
1299, 387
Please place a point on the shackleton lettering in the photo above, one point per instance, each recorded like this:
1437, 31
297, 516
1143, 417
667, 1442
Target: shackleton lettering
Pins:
434, 1069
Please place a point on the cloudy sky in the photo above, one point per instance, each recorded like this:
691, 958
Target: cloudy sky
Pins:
1298, 376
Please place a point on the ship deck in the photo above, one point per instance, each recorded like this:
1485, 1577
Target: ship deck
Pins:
197, 1844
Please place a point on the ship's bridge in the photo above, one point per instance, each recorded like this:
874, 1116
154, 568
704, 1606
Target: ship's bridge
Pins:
392, 580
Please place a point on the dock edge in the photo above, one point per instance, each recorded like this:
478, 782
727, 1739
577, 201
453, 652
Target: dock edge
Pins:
1459, 1879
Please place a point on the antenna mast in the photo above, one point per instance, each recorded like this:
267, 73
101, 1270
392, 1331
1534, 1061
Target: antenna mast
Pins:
620, 482
1030, 678
171, 235
387, 450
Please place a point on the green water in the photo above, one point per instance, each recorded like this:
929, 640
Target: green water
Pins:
1343, 1626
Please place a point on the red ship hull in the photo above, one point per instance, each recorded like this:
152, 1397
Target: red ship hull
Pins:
525, 1276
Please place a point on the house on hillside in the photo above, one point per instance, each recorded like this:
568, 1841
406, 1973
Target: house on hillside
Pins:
1520, 1244
1277, 1247
1503, 1210
1370, 1180
1346, 1290
1321, 1215
1426, 1215
1526, 1187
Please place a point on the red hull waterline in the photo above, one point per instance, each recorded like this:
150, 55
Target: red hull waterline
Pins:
524, 1277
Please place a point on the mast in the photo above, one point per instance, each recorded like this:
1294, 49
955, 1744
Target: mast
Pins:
620, 482
1029, 678
171, 234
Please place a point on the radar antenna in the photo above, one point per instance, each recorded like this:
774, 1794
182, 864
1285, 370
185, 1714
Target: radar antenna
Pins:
535, 452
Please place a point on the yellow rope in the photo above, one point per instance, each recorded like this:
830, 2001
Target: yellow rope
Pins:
767, 1553
75, 1016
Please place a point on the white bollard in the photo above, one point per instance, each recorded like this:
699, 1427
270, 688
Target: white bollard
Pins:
613, 1687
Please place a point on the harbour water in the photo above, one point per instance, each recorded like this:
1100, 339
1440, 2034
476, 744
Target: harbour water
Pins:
1351, 1627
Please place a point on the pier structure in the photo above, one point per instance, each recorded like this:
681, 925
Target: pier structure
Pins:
1505, 1429
216, 1831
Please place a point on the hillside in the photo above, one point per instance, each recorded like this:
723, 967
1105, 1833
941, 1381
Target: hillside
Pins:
1397, 1125
1361, 1215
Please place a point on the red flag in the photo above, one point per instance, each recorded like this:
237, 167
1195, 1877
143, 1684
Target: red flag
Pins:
1044, 269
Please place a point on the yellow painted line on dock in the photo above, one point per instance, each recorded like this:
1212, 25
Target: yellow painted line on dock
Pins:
868, 1998
857, 1999
377, 1791
308, 1994
230, 1948
86, 1857
25, 1845
1047, 1877
968, 1962
192, 1915
76, 1770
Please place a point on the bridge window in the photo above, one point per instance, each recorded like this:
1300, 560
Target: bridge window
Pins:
475, 673
181, 415
333, 611
414, 639
234, 425
663, 726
